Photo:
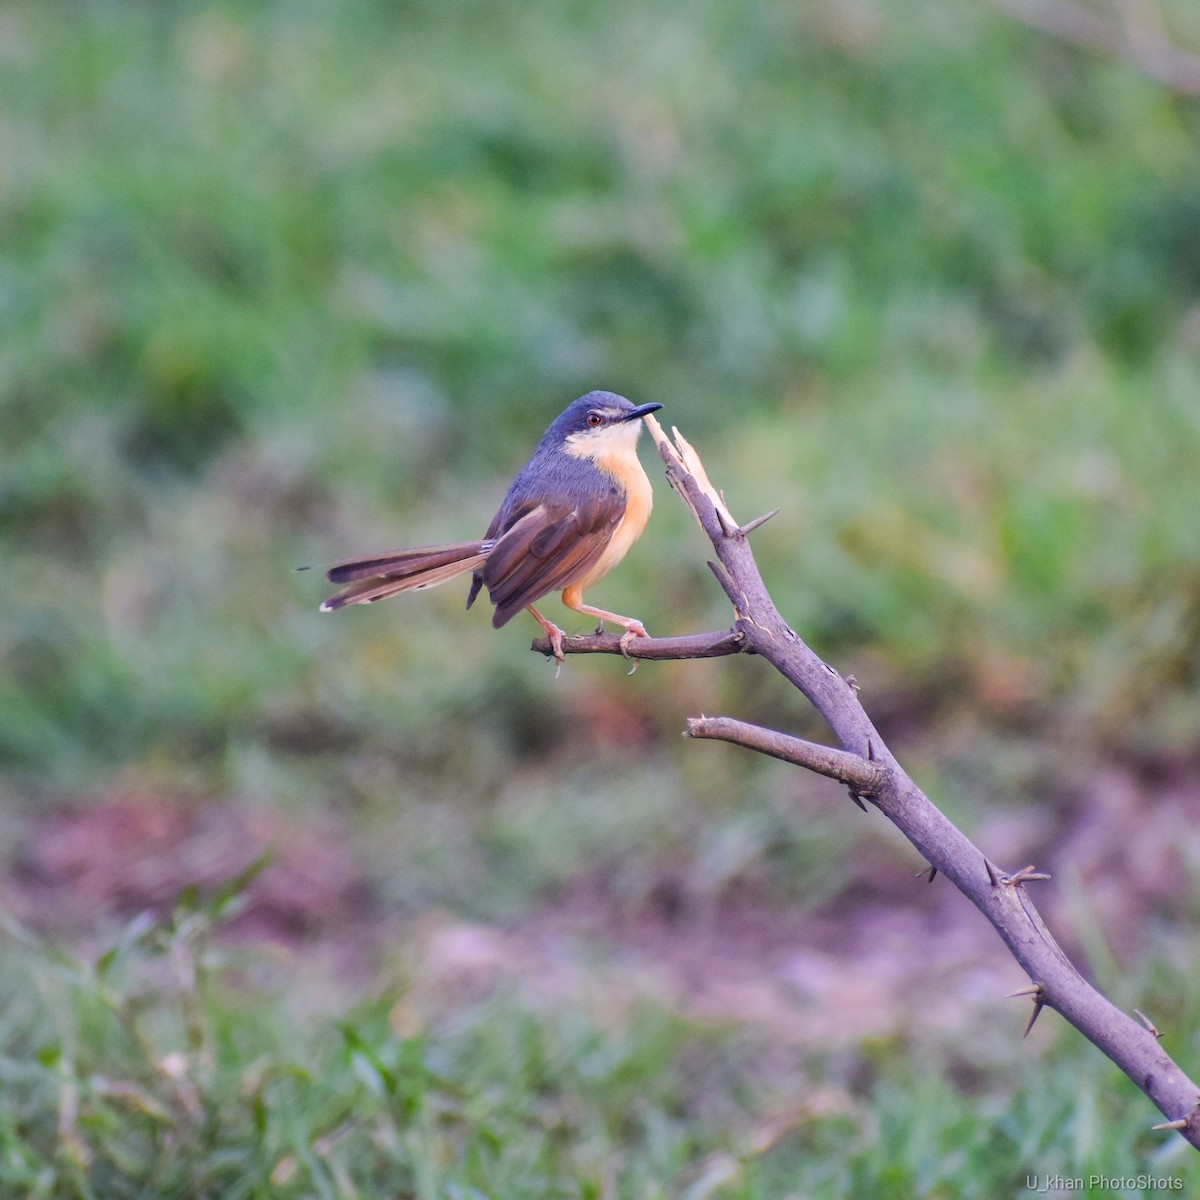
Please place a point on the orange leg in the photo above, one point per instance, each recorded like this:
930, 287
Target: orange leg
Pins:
553, 633
573, 599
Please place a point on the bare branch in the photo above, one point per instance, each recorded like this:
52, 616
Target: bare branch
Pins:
863, 776
695, 645
868, 767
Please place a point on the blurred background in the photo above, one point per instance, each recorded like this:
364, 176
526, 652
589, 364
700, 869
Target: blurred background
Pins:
372, 904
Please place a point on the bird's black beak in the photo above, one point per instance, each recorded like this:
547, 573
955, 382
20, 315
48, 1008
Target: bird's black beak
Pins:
642, 410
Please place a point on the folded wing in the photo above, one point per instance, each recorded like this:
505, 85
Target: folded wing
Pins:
546, 549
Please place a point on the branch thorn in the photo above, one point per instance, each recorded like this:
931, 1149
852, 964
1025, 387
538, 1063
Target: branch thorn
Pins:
1038, 1005
1024, 875
1182, 1123
1149, 1024
1039, 1002
930, 872
1034, 989
722, 575
857, 798
993, 878
750, 526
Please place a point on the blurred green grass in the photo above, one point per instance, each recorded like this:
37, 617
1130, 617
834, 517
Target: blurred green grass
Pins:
148, 1068
280, 284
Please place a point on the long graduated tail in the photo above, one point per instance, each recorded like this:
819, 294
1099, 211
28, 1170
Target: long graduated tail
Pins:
375, 578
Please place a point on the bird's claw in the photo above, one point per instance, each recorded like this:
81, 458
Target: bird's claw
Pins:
628, 638
556, 644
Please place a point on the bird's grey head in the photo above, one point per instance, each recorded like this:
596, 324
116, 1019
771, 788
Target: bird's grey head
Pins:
595, 414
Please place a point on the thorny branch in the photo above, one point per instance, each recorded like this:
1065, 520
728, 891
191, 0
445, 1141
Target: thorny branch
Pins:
695, 645
867, 767
862, 777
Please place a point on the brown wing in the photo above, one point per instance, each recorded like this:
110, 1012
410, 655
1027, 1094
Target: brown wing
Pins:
548, 549
493, 532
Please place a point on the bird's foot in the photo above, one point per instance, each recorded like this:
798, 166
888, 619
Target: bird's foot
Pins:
627, 639
556, 636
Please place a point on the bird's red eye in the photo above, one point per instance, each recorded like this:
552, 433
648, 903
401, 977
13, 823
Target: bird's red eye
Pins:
594, 419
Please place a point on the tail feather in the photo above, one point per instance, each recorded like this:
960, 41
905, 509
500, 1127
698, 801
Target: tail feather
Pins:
372, 579
403, 562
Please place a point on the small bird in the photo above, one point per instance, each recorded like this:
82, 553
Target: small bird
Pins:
570, 516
